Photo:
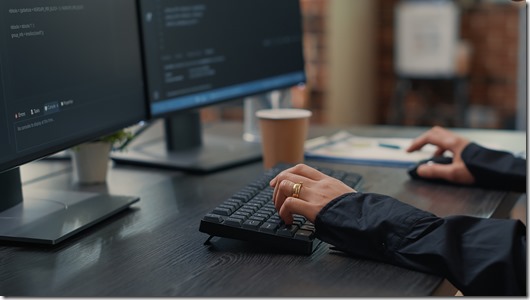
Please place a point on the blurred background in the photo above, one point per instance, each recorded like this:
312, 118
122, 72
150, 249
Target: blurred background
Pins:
459, 63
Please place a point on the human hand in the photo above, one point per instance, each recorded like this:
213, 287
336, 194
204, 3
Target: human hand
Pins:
444, 139
317, 190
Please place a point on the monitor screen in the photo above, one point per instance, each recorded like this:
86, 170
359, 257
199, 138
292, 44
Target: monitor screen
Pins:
203, 52
70, 71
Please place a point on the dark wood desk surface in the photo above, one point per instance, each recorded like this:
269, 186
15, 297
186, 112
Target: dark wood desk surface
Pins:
155, 248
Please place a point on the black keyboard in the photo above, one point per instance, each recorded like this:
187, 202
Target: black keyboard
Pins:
250, 215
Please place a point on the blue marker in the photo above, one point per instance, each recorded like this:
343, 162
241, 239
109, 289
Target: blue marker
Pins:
391, 146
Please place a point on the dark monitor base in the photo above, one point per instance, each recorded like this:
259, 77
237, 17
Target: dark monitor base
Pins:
49, 217
218, 152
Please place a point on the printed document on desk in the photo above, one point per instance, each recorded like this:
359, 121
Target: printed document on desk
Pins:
346, 147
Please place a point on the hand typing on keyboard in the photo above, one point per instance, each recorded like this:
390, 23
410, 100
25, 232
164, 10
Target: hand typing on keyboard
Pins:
250, 214
315, 190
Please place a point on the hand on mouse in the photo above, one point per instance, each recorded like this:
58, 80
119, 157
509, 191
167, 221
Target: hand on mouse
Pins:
316, 190
444, 139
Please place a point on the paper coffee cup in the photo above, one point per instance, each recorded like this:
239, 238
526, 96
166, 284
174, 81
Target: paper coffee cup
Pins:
283, 134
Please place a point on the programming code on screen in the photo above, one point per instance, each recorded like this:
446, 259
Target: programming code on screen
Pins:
194, 56
66, 68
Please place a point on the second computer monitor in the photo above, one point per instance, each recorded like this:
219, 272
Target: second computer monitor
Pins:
200, 53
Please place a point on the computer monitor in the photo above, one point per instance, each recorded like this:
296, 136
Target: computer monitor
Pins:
201, 53
70, 71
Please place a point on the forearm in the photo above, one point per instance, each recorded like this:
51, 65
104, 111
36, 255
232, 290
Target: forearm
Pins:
479, 256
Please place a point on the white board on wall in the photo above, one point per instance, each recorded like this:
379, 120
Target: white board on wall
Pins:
426, 38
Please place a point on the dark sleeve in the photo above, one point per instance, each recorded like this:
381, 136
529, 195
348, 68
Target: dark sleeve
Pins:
495, 169
478, 256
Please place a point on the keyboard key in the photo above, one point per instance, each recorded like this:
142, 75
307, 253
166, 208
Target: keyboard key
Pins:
339, 174
275, 217
222, 211
261, 215
297, 223
287, 230
254, 206
235, 202
252, 224
243, 196
240, 217
299, 218
256, 218
242, 214
307, 226
231, 208
305, 235
234, 222
213, 218
249, 210
269, 227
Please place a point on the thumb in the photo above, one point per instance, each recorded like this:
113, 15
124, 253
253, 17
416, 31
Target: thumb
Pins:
433, 171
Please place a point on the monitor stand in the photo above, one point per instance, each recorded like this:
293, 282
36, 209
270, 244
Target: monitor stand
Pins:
49, 217
179, 143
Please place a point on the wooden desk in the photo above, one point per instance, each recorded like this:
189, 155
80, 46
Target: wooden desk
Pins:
155, 248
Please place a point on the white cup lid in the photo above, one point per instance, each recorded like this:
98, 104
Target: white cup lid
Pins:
283, 113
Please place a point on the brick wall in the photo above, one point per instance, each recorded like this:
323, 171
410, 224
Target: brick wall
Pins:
492, 31
314, 14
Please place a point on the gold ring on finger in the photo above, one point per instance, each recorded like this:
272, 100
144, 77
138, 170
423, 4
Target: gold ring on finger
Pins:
297, 187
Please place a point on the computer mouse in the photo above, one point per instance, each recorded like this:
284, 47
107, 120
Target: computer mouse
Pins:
413, 171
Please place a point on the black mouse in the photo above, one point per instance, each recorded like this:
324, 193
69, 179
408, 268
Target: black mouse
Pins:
413, 171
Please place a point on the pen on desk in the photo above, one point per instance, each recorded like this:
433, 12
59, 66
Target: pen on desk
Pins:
391, 146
